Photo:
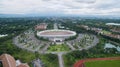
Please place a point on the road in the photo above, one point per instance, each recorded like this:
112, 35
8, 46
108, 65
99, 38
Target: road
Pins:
55, 26
60, 58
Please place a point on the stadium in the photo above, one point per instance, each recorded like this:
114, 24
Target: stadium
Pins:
56, 35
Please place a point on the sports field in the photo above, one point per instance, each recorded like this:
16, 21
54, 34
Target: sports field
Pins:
104, 63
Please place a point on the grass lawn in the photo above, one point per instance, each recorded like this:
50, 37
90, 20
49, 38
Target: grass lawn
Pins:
58, 48
106, 32
107, 63
50, 60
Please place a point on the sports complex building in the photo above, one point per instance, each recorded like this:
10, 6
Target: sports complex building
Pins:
56, 35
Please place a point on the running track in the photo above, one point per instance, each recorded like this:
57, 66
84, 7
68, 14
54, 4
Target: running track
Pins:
81, 62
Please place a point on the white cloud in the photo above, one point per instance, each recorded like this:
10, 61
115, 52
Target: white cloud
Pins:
91, 7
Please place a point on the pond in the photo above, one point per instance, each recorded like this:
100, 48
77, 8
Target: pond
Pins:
3, 35
117, 24
109, 45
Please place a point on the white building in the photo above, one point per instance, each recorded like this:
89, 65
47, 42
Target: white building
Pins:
56, 35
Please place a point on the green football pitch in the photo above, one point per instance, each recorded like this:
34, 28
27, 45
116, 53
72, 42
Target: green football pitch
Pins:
106, 63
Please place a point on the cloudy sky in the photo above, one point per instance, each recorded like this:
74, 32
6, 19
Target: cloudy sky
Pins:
69, 7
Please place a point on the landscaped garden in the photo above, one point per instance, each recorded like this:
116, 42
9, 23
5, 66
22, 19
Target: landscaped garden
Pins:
58, 48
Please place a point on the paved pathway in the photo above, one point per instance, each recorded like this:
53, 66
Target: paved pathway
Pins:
45, 48
60, 58
70, 46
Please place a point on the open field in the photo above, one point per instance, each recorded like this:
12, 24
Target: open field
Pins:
106, 63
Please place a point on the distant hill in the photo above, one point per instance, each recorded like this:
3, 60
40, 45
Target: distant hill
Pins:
11, 15
60, 15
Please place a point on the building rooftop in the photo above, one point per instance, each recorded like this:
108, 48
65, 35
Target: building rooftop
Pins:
9, 61
23, 65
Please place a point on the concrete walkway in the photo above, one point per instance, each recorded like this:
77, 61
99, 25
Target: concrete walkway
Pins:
60, 58
72, 48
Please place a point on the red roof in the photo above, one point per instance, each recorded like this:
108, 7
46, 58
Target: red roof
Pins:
23, 65
9, 61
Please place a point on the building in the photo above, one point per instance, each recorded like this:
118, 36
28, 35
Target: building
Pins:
42, 26
56, 35
9, 61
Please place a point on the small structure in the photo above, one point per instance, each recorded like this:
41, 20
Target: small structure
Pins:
9, 61
38, 63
